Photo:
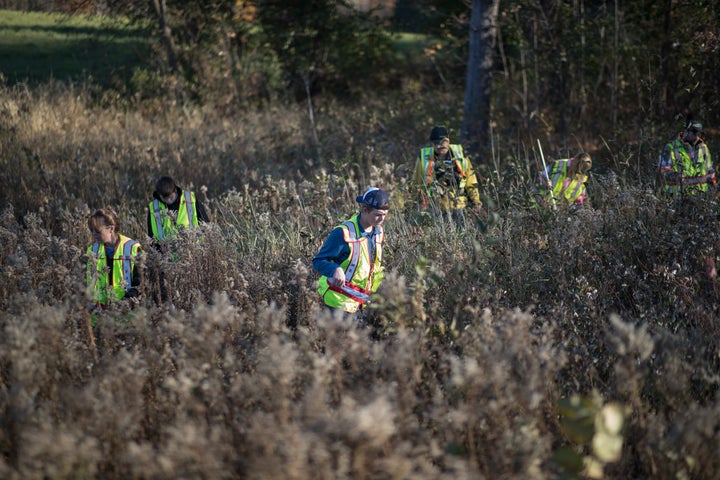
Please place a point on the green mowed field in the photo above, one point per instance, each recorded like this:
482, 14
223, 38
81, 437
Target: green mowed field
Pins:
37, 47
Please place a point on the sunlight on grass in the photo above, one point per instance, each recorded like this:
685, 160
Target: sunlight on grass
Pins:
37, 47
410, 45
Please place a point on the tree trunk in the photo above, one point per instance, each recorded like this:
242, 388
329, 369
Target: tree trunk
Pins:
663, 73
166, 33
475, 132
616, 67
307, 81
164, 28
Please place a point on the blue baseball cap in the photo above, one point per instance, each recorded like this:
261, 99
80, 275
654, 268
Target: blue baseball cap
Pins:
375, 198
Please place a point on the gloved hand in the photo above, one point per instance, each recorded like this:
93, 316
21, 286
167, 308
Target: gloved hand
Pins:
338, 278
132, 293
478, 211
673, 178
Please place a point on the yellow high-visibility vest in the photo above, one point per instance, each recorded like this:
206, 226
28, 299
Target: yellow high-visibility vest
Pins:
106, 288
362, 274
162, 225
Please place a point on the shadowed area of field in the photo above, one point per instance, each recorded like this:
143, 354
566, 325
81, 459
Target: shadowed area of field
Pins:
36, 48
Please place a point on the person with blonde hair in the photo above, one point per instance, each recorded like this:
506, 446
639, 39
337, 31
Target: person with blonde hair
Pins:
112, 273
563, 181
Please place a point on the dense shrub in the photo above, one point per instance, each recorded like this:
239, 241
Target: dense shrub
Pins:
483, 342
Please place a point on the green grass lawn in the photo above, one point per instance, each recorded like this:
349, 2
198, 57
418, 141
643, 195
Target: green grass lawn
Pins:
37, 47
411, 45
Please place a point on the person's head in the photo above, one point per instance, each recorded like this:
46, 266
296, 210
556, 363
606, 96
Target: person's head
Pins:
103, 226
166, 190
580, 164
692, 131
374, 206
584, 162
440, 139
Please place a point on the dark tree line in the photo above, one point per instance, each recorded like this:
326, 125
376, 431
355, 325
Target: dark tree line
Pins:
547, 67
564, 67
558, 69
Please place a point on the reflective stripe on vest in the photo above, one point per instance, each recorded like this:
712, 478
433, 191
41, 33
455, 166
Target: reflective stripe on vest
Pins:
126, 260
351, 237
559, 173
121, 280
354, 292
157, 218
189, 208
577, 192
678, 162
127, 263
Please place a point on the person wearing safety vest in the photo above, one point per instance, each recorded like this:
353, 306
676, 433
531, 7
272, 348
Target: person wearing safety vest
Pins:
562, 182
112, 274
350, 259
685, 164
172, 208
444, 179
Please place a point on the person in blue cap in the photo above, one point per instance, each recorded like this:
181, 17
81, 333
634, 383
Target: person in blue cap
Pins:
685, 164
350, 259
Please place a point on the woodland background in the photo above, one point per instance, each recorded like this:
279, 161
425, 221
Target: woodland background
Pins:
570, 344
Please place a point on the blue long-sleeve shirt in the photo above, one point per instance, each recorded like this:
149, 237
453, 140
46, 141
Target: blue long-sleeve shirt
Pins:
335, 251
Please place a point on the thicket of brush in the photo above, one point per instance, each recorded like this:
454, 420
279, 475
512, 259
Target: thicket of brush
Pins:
492, 350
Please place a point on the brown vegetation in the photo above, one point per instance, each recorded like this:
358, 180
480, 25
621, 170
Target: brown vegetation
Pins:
477, 337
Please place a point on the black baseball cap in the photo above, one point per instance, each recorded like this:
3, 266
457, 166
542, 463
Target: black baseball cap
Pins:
438, 134
375, 198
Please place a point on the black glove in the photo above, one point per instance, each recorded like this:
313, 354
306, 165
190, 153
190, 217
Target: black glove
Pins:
132, 293
673, 177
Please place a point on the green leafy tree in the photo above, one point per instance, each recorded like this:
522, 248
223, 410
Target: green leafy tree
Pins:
325, 44
591, 68
185, 29
432, 17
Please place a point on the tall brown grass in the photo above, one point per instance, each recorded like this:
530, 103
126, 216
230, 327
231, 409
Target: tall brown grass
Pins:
477, 335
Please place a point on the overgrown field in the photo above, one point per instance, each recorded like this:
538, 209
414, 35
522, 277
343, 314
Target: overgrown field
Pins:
489, 349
